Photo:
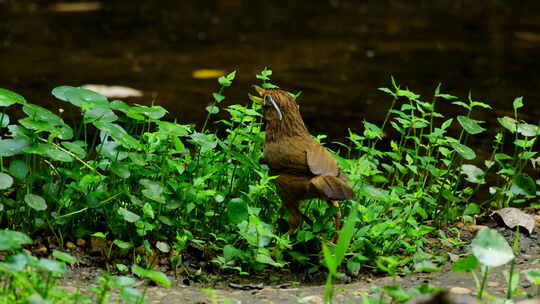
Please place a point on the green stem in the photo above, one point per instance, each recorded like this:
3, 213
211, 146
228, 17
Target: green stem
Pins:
483, 285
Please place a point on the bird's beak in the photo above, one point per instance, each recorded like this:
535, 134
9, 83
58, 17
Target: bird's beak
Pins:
259, 90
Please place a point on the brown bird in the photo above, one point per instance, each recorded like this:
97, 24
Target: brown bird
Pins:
304, 167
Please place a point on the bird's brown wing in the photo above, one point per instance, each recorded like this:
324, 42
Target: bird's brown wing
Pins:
329, 179
321, 162
332, 187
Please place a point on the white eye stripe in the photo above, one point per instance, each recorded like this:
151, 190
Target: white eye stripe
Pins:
269, 100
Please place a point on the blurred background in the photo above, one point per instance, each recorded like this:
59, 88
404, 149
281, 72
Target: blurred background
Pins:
338, 52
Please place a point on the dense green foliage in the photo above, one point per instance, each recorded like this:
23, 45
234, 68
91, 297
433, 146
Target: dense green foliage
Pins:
124, 174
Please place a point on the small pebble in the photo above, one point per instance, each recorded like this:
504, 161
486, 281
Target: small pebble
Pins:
460, 290
81, 242
70, 245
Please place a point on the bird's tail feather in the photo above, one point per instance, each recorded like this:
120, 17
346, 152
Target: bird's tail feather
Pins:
332, 187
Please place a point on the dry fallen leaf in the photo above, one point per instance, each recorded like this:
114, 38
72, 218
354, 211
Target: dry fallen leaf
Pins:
513, 217
207, 74
113, 91
528, 36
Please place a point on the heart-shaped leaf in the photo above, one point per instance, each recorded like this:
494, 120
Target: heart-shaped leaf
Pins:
523, 184
491, 249
474, 174
8, 98
6, 181
237, 211
35, 201
13, 240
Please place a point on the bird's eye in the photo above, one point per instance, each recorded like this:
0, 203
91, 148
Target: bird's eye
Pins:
268, 100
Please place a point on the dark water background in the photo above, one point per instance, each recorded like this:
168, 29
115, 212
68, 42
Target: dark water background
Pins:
337, 52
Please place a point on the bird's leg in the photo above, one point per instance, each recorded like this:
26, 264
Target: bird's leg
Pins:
295, 216
337, 218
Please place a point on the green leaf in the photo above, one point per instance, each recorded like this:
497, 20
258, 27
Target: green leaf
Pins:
121, 169
223, 81
76, 147
371, 131
131, 295
156, 276
212, 109
64, 257
266, 259
10, 147
237, 211
6, 181
523, 184
491, 249
528, 130
461, 104
509, 123
153, 112
533, 276
18, 168
122, 244
100, 235
79, 96
218, 97
152, 190
7, 98
52, 266
163, 247
465, 152
231, 75
518, 103
128, 215
426, 266
173, 129
35, 201
471, 208
397, 293
471, 126
123, 281
230, 252
119, 134
474, 174
447, 123
99, 112
465, 264
446, 96
4, 120
13, 240
59, 155
345, 237
205, 141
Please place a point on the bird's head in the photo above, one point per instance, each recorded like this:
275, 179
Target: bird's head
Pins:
277, 104
281, 113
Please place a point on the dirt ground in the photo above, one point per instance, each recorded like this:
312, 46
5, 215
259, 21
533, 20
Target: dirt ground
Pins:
291, 292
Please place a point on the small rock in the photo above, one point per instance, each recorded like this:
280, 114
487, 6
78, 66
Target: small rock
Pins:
475, 228
97, 244
312, 300
41, 250
529, 301
81, 242
460, 290
70, 245
493, 284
